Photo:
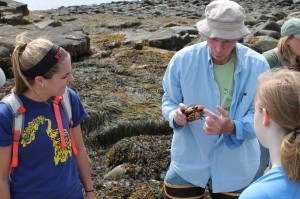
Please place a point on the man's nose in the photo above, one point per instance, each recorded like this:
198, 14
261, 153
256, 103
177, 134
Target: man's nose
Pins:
219, 47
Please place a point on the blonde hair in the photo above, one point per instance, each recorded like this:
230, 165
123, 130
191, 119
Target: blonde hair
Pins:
278, 91
285, 52
27, 55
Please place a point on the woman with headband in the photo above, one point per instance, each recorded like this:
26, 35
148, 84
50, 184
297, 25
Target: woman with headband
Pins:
48, 167
277, 126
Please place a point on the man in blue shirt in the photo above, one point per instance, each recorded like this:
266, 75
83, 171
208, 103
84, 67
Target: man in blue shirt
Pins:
220, 151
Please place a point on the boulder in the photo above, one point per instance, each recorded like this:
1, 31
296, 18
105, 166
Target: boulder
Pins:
170, 38
76, 42
13, 11
47, 23
264, 42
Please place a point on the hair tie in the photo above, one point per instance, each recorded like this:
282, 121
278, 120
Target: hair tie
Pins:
23, 47
295, 132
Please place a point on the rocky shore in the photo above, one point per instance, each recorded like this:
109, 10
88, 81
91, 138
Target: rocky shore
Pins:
120, 52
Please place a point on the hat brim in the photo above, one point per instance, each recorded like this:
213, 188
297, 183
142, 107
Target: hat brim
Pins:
236, 34
297, 36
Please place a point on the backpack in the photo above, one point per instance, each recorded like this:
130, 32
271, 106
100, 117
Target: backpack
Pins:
18, 110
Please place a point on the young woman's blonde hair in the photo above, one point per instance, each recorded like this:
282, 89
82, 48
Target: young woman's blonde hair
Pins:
285, 51
27, 55
278, 91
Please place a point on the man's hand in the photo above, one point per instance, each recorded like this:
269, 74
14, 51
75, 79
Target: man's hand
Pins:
216, 125
179, 117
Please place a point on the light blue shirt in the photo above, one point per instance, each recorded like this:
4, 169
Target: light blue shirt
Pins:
274, 184
231, 161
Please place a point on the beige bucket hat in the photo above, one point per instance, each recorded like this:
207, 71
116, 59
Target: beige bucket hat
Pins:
224, 20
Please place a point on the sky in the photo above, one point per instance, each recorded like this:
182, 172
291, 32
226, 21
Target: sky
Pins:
49, 4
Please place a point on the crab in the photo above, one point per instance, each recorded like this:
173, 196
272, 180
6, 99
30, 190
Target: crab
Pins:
193, 112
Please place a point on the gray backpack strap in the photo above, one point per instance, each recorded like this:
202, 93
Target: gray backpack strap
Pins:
14, 103
17, 109
66, 103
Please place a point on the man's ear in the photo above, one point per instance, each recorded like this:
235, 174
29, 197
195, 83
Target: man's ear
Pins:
266, 118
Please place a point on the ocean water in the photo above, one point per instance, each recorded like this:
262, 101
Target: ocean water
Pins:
53, 4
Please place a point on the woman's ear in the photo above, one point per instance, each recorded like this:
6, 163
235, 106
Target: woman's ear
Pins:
266, 117
39, 80
288, 40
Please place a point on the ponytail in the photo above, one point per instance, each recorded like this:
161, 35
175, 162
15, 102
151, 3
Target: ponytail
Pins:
290, 154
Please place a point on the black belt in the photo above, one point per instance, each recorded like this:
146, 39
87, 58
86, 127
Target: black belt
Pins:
183, 191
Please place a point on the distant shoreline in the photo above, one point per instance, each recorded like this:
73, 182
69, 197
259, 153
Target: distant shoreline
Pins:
34, 5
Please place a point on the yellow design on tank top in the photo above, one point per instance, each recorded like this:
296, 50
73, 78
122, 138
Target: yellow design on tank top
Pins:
28, 136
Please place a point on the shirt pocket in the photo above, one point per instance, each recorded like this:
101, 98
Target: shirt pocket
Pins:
245, 101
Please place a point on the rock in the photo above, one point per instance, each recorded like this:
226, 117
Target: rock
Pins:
265, 42
266, 18
13, 7
271, 33
271, 25
114, 25
172, 38
166, 39
117, 172
5, 62
279, 15
77, 43
4, 52
285, 2
50, 22
13, 19
2, 3
254, 47
9, 33
294, 14
102, 54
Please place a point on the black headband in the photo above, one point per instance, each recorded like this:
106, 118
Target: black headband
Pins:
50, 59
